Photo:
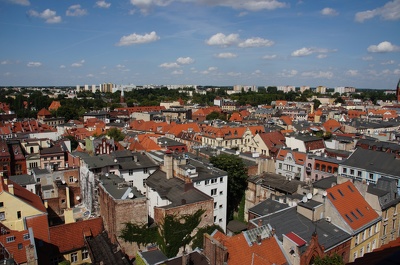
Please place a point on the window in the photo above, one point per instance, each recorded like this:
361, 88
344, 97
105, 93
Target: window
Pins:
130, 172
71, 179
85, 254
351, 171
359, 173
220, 220
1, 204
207, 181
368, 248
74, 257
280, 165
221, 180
220, 193
20, 246
26, 236
371, 176
213, 192
355, 255
19, 214
215, 219
2, 216
10, 239
213, 181
215, 205
145, 170
344, 170
357, 238
220, 206
362, 252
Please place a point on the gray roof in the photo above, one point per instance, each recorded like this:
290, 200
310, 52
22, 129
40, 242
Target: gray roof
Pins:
99, 161
289, 220
277, 182
38, 171
118, 188
142, 161
325, 183
374, 161
153, 256
174, 190
267, 207
23, 180
371, 142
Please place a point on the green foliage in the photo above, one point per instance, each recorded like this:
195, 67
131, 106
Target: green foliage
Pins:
64, 262
116, 134
74, 142
141, 234
237, 179
317, 103
240, 216
334, 259
199, 237
175, 232
215, 115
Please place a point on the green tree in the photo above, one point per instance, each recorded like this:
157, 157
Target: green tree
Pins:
237, 179
140, 234
334, 259
116, 134
317, 103
215, 115
74, 142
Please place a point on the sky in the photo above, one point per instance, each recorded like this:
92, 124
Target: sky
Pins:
312, 43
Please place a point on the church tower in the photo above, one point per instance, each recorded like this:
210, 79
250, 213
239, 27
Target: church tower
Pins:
398, 92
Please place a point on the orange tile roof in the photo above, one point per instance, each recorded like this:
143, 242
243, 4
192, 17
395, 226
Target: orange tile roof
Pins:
236, 116
55, 105
299, 157
44, 112
351, 205
19, 254
69, 237
240, 253
40, 226
287, 120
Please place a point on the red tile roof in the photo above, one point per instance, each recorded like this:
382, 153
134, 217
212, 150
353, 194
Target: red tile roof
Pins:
55, 105
40, 226
69, 237
351, 205
19, 254
300, 158
267, 252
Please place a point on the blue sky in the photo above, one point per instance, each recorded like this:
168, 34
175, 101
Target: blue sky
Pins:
204, 42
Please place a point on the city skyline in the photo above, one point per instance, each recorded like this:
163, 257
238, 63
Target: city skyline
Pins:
220, 42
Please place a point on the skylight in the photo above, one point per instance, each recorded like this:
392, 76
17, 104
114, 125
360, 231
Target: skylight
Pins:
359, 212
333, 197
350, 188
341, 193
348, 218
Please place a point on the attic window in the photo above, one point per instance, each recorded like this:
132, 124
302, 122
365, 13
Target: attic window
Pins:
348, 218
341, 193
353, 214
333, 197
350, 188
359, 212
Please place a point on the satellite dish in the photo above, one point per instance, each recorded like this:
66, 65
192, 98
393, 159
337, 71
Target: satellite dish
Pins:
130, 195
324, 193
304, 200
78, 198
309, 196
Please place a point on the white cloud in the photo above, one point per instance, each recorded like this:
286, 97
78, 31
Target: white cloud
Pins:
75, 11
384, 46
102, 4
319, 74
234, 74
388, 62
62, 66
226, 55
396, 71
269, 57
5, 62
138, 39
221, 39
120, 66
308, 51
89, 75
321, 56
209, 70
185, 60
257, 72
256, 42
7, 74
20, 2
169, 65
253, 5
390, 11
327, 11
289, 73
242, 14
34, 64
48, 15
352, 72
177, 72
78, 64
367, 58
302, 52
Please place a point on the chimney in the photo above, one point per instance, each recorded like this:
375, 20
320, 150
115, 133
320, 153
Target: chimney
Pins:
259, 239
169, 164
68, 199
11, 188
184, 258
188, 186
